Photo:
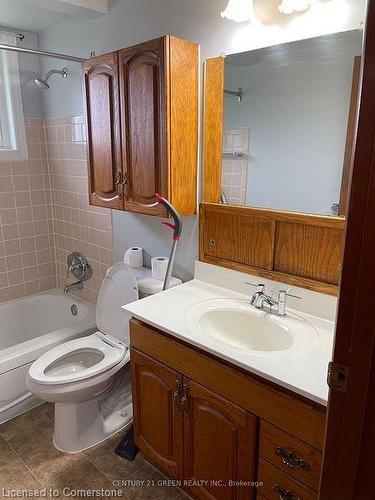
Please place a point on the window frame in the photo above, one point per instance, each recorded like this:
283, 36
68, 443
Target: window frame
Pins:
11, 104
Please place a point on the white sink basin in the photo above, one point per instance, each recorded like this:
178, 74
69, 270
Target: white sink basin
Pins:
238, 325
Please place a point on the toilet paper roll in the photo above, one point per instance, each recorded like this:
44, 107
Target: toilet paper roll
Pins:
134, 257
159, 267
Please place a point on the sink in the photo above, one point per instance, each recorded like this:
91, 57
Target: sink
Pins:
237, 325
246, 330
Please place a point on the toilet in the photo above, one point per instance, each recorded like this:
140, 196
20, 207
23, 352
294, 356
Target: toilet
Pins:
88, 378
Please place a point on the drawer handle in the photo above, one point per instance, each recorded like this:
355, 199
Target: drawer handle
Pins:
185, 398
177, 395
291, 460
285, 494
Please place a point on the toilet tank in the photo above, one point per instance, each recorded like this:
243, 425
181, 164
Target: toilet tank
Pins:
147, 285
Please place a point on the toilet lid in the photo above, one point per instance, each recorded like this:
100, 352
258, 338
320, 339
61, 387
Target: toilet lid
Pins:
119, 287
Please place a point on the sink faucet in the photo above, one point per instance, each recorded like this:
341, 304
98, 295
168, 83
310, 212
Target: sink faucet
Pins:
264, 302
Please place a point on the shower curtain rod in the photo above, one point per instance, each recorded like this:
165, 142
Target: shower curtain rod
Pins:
41, 53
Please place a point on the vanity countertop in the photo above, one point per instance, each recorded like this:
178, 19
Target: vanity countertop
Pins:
303, 372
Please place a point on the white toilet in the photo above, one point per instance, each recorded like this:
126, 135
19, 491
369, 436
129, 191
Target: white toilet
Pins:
88, 378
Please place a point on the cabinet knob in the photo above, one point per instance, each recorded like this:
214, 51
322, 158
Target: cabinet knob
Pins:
291, 460
285, 494
121, 184
118, 184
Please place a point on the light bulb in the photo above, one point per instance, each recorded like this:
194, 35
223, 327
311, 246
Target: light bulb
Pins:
290, 6
239, 10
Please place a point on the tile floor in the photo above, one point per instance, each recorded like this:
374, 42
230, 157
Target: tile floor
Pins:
29, 461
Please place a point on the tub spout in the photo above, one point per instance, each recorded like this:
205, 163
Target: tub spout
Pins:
72, 287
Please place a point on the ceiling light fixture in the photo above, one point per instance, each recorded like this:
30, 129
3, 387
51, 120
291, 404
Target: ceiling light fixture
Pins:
239, 10
290, 6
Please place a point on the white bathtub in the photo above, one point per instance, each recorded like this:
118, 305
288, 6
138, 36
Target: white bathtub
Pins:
29, 327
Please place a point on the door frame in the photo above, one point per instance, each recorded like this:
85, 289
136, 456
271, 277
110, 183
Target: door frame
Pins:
350, 438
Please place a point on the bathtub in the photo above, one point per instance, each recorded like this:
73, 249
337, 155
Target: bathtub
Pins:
29, 327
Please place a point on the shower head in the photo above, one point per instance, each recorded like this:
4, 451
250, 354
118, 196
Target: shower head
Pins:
42, 81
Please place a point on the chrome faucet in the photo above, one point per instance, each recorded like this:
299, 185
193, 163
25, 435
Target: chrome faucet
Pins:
80, 267
264, 302
72, 287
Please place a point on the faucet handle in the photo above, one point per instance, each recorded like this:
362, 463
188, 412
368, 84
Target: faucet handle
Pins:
290, 294
260, 286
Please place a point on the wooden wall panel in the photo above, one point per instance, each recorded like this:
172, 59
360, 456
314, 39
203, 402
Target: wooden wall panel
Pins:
253, 237
308, 251
299, 249
213, 128
183, 68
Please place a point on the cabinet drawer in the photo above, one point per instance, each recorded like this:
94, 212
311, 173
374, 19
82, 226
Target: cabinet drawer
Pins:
291, 455
279, 486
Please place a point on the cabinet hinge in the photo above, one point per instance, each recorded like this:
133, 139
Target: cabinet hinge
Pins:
337, 377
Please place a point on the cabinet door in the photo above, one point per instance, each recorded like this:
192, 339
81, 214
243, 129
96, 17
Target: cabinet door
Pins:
158, 418
143, 81
101, 88
220, 445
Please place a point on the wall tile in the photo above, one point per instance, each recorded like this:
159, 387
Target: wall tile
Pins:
23, 201
45, 214
234, 171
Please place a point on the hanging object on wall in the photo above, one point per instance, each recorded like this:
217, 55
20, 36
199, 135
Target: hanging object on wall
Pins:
290, 6
239, 10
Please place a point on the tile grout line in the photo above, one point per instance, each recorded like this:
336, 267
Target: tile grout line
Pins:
82, 454
51, 200
103, 474
25, 464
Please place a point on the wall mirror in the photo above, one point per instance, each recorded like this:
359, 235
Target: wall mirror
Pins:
279, 125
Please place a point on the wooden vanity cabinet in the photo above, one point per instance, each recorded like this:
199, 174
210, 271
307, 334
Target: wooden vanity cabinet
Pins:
198, 418
191, 433
142, 117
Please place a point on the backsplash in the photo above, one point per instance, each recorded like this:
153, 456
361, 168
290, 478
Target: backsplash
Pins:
45, 214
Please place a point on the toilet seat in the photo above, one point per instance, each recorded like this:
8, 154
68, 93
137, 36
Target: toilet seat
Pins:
78, 360
87, 357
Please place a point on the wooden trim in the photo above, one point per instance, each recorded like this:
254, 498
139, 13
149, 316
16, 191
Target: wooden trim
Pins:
213, 128
352, 121
279, 215
348, 471
303, 420
299, 249
183, 126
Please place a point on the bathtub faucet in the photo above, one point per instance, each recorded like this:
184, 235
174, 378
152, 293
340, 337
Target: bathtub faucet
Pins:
72, 287
81, 269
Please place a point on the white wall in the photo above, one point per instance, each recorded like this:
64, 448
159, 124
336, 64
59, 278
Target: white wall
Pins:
296, 105
132, 21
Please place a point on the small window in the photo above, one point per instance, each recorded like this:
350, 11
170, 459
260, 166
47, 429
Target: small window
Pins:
13, 145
